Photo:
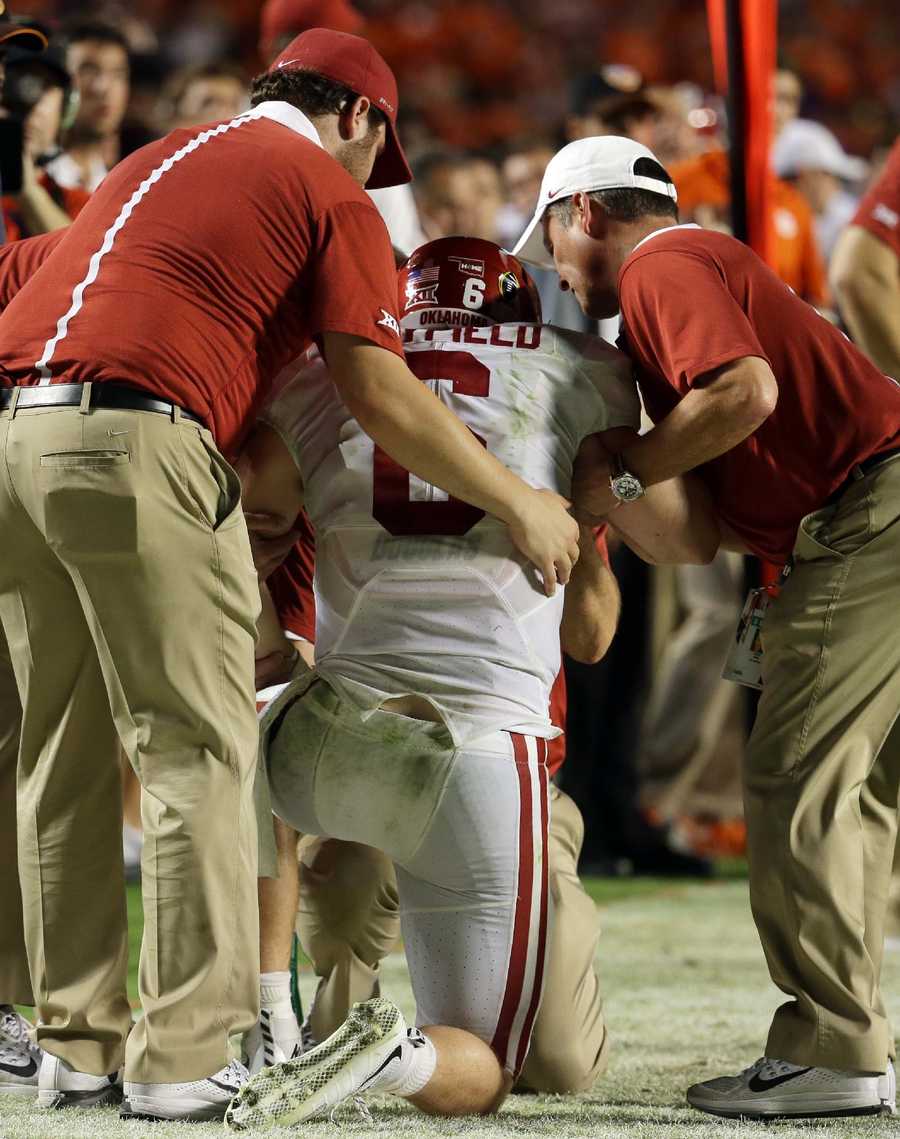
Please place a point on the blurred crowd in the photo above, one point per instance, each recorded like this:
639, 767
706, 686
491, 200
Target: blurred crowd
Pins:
489, 89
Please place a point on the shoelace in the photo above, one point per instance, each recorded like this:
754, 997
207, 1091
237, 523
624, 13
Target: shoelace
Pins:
362, 1110
15, 1037
237, 1072
769, 1068
13, 1027
10, 1054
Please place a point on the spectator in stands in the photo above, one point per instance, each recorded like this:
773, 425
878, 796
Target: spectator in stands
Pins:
205, 94
97, 59
704, 196
787, 95
594, 92
458, 194
37, 90
809, 156
522, 171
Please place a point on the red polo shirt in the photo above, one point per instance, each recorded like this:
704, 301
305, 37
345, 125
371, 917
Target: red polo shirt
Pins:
692, 301
204, 263
19, 259
879, 211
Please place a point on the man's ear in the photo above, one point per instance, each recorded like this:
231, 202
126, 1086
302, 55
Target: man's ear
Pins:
589, 215
353, 120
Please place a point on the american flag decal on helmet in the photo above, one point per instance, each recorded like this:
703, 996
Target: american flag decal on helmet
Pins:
422, 286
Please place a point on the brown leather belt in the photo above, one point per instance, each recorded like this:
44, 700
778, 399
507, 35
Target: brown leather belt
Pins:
109, 395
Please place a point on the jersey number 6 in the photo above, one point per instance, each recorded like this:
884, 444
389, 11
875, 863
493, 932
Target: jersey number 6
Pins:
391, 502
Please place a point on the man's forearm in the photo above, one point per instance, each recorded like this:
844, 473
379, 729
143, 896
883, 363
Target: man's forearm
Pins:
673, 523
40, 212
706, 423
871, 308
865, 277
591, 609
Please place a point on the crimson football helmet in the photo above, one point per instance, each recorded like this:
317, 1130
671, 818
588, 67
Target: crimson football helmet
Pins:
462, 281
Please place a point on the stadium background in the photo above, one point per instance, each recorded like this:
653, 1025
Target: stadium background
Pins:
484, 73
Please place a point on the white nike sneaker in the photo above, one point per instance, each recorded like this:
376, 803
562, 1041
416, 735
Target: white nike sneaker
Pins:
342, 1066
61, 1086
195, 1099
20, 1057
773, 1089
272, 1040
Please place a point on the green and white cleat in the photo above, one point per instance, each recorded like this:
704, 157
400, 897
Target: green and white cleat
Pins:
344, 1065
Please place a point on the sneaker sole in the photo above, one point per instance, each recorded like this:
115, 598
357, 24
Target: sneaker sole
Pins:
292, 1092
55, 1100
19, 1089
837, 1113
810, 1104
152, 1110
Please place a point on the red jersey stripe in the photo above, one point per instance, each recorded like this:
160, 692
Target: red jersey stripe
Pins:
515, 974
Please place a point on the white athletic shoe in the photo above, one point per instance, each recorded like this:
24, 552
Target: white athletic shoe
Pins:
20, 1057
272, 1040
61, 1086
773, 1089
195, 1099
340, 1067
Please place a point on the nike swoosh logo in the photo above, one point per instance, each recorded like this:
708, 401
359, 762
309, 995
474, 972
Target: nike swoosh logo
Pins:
553, 193
395, 1055
24, 1070
758, 1085
233, 1089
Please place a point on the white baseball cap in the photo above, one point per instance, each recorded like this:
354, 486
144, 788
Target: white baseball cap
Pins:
604, 163
807, 145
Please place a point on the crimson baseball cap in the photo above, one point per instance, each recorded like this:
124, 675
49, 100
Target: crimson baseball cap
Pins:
282, 18
353, 61
603, 163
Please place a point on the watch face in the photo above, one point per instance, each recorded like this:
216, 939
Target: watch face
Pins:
627, 488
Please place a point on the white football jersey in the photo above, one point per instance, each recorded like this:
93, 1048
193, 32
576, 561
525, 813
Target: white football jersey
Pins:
420, 593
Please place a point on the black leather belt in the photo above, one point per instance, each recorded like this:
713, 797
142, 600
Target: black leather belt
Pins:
107, 394
860, 470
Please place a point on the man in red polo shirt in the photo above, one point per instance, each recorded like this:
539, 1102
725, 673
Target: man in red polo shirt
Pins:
130, 362
797, 436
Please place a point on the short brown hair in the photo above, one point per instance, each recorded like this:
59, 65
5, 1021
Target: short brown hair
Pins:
309, 92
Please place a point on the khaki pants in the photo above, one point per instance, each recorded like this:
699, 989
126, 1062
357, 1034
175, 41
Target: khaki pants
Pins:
822, 778
348, 921
15, 984
127, 577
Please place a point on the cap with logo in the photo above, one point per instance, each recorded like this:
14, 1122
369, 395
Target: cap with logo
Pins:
353, 61
807, 145
605, 163
21, 35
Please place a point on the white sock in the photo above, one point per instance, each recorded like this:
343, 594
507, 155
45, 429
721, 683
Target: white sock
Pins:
411, 1070
275, 993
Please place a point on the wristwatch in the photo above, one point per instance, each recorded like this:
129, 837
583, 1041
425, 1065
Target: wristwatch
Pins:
627, 487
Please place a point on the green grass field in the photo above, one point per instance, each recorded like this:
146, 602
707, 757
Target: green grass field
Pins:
687, 998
